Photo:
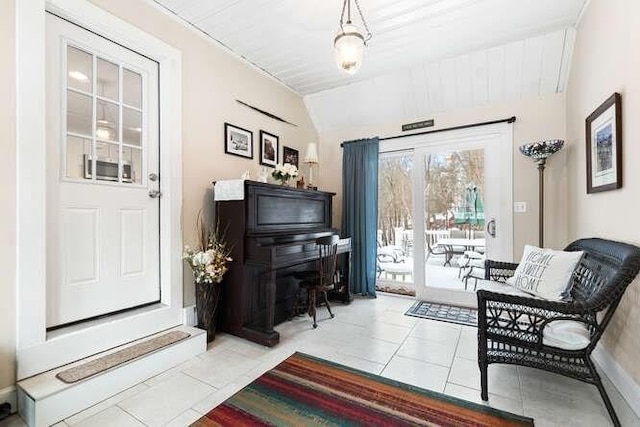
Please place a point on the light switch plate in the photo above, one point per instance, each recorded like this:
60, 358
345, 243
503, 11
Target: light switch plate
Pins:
520, 207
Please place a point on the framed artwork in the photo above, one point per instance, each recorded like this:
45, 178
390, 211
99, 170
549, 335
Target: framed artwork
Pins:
290, 155
604, 146
269, 147
238, 141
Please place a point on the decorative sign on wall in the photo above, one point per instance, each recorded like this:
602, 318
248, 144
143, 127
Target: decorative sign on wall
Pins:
418, 125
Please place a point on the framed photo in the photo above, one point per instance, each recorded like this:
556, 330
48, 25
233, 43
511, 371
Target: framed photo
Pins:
269, 147
290, 155
604, 146
238, 141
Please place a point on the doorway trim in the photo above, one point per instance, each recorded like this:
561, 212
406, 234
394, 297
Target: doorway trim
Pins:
37, 350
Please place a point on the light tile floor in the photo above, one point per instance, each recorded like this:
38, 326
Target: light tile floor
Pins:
372, 335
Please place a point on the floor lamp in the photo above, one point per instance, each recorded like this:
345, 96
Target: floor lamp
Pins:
539, 152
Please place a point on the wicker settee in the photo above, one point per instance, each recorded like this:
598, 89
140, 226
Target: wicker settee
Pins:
510, 327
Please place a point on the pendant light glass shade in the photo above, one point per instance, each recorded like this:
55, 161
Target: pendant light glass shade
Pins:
349, 48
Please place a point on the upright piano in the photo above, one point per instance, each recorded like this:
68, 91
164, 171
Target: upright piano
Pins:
272, 230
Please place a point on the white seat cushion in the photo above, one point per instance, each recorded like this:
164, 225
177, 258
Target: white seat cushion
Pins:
566, 334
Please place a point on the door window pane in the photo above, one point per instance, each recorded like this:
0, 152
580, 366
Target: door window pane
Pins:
77, 149
454, 219
132, 88
108, 86
107, 123
79, 69
395, 224
79, 113
132, 126
132, 164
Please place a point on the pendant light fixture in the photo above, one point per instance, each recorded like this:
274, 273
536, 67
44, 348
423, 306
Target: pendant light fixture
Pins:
350, 41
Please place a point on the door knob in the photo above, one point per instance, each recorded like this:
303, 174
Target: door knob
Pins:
153, 176
155, 194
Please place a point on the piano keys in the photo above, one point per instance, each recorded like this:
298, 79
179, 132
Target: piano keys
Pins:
272, 230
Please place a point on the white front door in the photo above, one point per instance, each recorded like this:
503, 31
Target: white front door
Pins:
102, 176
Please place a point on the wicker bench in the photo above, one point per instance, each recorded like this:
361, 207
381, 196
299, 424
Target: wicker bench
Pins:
510, 327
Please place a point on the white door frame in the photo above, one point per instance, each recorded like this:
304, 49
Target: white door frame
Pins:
37, 350
419, 144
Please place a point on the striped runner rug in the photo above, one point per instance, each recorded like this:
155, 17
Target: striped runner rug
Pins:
306, 391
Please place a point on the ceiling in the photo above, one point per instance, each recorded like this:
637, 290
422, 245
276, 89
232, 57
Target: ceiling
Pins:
293, 40
425, 57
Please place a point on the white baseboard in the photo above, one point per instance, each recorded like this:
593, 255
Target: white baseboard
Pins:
8, 394
628, 388
189, 317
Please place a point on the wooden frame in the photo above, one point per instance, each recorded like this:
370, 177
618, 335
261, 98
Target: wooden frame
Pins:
269, 148
291, 155
238, 141
604, 146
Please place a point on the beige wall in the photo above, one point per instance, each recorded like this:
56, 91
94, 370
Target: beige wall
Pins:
7, 196
606, 59
212, 80
537, 119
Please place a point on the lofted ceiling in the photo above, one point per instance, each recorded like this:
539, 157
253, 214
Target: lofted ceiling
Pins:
425, 55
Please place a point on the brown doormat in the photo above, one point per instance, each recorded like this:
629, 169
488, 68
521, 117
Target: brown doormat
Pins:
120, 357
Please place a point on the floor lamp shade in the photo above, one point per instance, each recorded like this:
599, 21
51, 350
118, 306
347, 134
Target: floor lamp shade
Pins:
539, 152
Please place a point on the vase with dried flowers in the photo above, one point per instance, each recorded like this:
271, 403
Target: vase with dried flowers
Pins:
209, 262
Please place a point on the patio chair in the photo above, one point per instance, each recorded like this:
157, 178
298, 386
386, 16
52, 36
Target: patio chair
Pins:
432, 237
517, 328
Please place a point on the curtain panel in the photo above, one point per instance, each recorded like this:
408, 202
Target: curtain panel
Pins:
360, 211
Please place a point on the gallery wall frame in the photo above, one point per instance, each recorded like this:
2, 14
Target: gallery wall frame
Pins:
269, 149
291, 155
603, 137
238, 141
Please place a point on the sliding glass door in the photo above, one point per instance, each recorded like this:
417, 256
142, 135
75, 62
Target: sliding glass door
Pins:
460, 194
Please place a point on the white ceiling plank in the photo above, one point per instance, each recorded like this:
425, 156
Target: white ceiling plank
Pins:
532, 66
513, 70
567, 53
553, 45
434, 83
480, 77
449, 83
464, 89
496, 60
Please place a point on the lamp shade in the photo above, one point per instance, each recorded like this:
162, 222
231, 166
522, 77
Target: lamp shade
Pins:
312, 153
349, 48
540, 151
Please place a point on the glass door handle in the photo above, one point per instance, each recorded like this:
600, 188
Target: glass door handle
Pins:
155, 194
491, 227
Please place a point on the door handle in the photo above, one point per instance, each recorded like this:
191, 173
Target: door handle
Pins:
491, 227
155, 194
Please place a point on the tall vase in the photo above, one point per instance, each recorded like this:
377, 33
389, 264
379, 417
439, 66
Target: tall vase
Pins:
207, 298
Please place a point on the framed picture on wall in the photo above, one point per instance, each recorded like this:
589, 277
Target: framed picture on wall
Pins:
238, 141
604, 146
290, 155
269, 147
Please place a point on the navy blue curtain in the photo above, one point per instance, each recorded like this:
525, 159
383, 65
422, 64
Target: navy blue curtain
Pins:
360, 211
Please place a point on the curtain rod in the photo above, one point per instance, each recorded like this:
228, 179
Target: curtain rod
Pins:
472, 125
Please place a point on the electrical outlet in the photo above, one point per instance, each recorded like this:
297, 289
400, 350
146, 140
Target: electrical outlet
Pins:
520, 207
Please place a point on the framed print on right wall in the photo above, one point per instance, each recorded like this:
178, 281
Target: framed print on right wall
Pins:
604, 146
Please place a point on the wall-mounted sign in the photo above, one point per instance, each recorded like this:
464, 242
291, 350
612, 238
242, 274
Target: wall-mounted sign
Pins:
417, 125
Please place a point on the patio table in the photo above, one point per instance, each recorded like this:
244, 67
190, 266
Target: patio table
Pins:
449, 246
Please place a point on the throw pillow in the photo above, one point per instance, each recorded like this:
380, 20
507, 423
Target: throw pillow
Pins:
545, 273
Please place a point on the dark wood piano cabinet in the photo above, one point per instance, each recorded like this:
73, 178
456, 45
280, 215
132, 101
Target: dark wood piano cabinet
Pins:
273, 231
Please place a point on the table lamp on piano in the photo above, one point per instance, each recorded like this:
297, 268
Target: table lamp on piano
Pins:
311, 158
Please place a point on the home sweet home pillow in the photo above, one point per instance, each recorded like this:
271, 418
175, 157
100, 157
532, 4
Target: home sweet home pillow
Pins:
545, 273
